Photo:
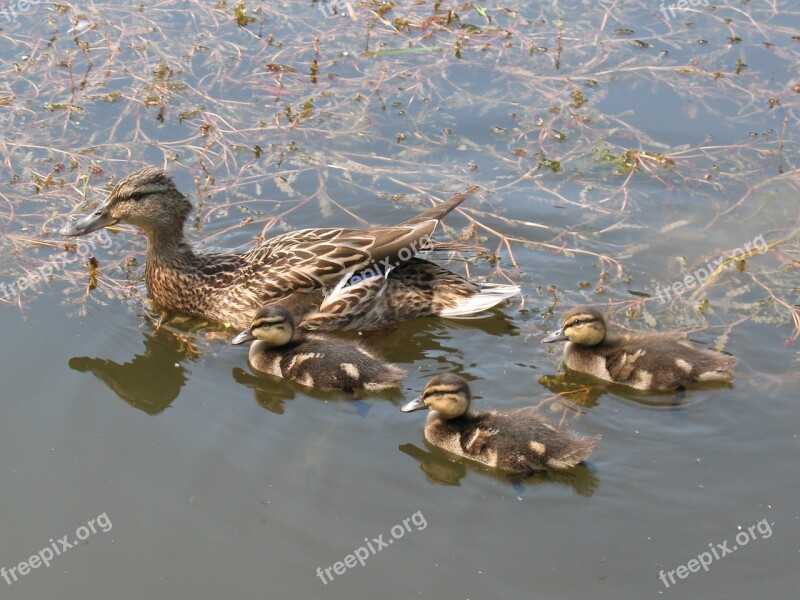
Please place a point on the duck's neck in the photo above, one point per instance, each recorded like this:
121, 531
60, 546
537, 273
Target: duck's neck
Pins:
467, 416
169, 249
174, 272
256, 349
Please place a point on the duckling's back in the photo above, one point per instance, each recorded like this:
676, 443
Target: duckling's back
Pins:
658, 362
518, 442
326, 364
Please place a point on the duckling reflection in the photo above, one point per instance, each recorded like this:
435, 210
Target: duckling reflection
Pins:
272, 393
150, 381
271, 397
441, 469
586, 390
516, 442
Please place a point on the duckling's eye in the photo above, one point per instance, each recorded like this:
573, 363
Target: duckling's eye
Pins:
582, 322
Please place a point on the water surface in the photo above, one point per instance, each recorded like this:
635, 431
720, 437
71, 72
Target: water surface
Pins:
222, 483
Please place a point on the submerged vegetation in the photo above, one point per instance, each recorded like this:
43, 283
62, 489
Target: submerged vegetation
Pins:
594, 137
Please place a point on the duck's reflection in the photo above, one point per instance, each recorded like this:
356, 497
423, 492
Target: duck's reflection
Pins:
440, 468
586, 390
272, 393
149, 381
419, 339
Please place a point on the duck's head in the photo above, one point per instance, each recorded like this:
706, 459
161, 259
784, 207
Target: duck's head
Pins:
146, 198
584, 326
272, 325
447, 394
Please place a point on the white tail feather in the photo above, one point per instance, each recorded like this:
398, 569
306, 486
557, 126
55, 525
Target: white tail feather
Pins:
377, 286
342, 282
490, 295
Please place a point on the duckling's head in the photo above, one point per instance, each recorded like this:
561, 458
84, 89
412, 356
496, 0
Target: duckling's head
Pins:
584, 326
272, 325
447, 394
146, 198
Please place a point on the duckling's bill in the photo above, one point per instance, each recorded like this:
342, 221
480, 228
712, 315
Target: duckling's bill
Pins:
415, 404
556, 336
243, 336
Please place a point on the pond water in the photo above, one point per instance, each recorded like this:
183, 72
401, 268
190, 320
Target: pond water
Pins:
618, 150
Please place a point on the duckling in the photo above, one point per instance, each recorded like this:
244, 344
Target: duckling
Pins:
515, 442
644, 361
313, 360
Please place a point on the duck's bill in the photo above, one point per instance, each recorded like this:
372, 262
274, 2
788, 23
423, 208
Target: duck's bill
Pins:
242, 337
556, 336
415, 404
91, 222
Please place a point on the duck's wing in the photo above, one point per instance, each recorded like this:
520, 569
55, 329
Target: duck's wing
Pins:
624, 362
344, 304
324, 255
474, 442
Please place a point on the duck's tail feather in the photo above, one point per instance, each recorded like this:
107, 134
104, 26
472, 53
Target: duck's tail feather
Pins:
490, 295
579, 450
438, 212
439, 246
719, 369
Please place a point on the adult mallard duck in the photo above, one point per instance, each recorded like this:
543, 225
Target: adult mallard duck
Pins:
328, 278
313, 360
645, 361
515, 442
